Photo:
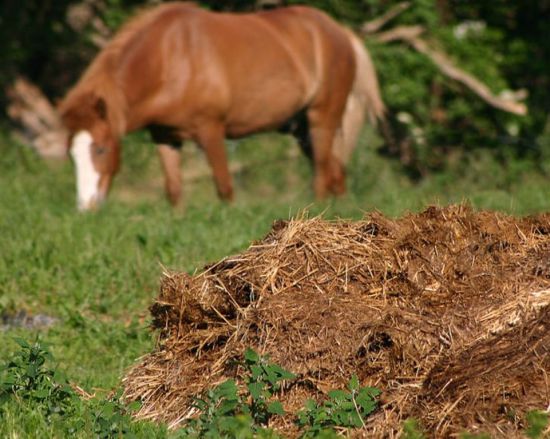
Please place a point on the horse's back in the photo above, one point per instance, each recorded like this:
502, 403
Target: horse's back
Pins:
334, 54
279, 62
254, 70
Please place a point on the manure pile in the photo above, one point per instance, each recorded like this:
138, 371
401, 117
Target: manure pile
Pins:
446, 311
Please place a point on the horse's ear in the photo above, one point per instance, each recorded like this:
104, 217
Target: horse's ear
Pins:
101, 108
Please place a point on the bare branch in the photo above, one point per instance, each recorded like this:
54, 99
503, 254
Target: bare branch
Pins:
400, 33
410, 35
38, 118
102, 33
374, 25
25, 96
86, 13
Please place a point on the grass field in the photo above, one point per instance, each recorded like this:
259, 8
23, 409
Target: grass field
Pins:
97, 273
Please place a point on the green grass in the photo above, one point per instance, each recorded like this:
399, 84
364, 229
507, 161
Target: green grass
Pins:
97, 273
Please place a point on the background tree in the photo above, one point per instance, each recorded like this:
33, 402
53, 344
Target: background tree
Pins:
434, 121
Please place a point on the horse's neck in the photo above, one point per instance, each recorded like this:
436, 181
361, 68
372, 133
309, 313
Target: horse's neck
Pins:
101, 80
116, 111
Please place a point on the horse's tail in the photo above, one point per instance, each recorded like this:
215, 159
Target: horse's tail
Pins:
363, 101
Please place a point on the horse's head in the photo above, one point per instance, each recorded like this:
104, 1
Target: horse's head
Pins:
93, 146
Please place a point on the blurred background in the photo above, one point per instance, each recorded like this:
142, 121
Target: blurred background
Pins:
437, 118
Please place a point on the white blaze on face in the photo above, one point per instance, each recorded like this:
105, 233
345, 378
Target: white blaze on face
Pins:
87, 178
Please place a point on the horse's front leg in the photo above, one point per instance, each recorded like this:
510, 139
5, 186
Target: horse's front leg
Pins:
211, 138
170, 158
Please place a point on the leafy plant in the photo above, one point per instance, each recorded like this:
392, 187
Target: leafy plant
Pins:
412, 429
224, 412
262, 383
30, 380
217, 407
112, 418
537, 423
467, 435
27, 377
342, 409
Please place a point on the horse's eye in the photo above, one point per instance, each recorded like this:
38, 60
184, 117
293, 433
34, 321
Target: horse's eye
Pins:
98, 149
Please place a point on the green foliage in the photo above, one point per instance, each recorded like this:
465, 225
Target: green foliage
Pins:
263, 381
237, 426
537, 423
467, 435
412, 429
30, 380
433, 113
35, 41
116, 12
113, 418
220, 414
27, 377
341, 409
226, 413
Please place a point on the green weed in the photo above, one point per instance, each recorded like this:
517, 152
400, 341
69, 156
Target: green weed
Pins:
27, 378
30, 382
342, 409
112, 418
412, 429
227, 411
263, 382
537, 424
467, 435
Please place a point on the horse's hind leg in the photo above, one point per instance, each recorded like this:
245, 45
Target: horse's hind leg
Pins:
211, 139
338, 170
329, 172
170, 158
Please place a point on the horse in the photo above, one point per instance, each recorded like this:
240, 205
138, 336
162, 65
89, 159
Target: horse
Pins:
183, 72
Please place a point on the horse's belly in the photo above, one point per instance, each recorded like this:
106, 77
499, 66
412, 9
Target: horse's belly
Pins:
240, 128
246, 126
263, 112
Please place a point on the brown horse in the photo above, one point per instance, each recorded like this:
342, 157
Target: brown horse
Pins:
186, 73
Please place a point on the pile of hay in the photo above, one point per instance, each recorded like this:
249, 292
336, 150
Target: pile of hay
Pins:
447, 312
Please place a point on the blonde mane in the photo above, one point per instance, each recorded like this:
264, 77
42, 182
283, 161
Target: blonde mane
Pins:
100, 78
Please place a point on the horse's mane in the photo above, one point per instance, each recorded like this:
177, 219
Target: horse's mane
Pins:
100, 79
